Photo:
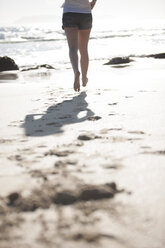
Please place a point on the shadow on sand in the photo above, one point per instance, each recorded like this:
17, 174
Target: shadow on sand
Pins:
57, 116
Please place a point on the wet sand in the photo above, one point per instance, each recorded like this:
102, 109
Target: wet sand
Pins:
83, 169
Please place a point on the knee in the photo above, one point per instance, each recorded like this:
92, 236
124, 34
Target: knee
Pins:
83, 52
73, 50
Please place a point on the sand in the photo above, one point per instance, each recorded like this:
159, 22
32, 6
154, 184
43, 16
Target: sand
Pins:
83, 169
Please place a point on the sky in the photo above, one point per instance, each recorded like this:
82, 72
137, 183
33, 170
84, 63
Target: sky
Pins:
19, 11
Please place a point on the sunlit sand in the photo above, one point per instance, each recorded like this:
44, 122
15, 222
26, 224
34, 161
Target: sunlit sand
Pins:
93, 159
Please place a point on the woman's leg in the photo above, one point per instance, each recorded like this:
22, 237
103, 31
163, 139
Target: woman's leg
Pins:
83, 38
72, 38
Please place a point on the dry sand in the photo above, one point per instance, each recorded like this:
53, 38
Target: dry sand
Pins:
83, 169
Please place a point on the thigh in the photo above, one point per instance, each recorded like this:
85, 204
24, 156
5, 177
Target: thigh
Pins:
83, 38
72, 37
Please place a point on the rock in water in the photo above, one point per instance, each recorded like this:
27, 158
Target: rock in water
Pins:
7, 64
119, 60
157, 56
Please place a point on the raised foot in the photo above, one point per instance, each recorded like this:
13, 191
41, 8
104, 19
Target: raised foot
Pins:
84, 81
76, 85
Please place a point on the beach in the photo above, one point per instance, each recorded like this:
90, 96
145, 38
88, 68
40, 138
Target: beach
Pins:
83, 169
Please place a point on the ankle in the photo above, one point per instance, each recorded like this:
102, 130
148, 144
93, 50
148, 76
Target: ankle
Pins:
84, 78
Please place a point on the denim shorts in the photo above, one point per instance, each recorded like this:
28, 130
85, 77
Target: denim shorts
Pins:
77, 20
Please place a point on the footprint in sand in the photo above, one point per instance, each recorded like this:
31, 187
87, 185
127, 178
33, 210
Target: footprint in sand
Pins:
16, 157
64, 163
160, 152
114, 166
113, 104
128, 96
88, 136
112, 114
106, 130
6, 141
45, 196
136, 132
94, 118
115, 129
39, 174
57, 153
146, 147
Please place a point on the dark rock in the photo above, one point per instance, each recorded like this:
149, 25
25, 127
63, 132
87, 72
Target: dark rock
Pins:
7, 64
119, 60
157, 56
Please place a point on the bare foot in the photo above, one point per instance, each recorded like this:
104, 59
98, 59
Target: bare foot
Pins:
84, 81
76, 85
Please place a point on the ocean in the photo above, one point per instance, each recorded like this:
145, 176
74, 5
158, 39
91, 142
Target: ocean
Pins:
31, 45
